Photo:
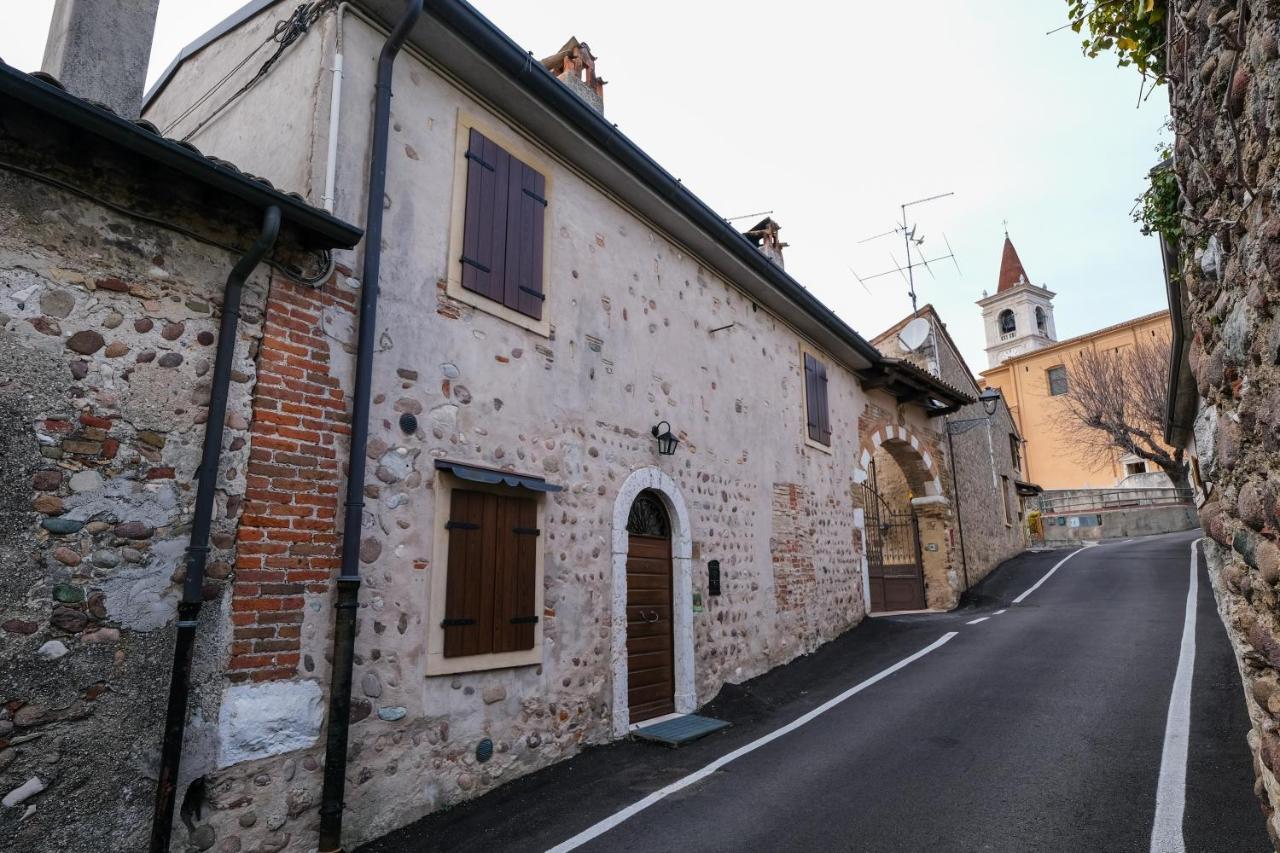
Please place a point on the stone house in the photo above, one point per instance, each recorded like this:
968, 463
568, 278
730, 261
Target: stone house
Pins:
538, 573
984, 448
115, 244
1223, 272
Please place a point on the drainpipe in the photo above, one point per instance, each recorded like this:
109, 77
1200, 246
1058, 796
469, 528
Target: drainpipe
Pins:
344, 633
198, 547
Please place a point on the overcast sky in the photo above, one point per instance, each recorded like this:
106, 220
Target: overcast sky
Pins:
831, 115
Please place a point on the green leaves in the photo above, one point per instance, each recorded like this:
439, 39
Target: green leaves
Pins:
1134, 29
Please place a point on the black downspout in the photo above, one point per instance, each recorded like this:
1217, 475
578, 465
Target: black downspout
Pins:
344, 631
955, 488
198, 547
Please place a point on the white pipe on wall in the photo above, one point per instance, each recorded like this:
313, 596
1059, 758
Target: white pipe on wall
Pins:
335, 114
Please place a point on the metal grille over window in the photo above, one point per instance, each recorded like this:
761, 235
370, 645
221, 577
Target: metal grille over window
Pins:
648, 517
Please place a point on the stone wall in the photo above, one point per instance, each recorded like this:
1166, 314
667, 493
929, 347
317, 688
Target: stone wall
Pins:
627, 341
982, 456
1225, 71
107, 337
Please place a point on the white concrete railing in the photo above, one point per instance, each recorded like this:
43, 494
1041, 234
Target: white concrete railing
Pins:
1091, 500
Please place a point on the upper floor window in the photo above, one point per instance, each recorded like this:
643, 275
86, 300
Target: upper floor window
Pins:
502, 240
1042, 321
1057, 380
1014, 454
815, 396
1008, 325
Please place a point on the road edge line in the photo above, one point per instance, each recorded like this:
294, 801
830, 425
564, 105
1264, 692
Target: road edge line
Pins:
1047, 575
601, 827
1171, 792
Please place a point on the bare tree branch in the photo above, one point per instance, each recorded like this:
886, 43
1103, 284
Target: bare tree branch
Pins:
1115, 402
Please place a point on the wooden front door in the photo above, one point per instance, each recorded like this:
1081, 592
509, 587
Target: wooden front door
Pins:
650, 641
894, 569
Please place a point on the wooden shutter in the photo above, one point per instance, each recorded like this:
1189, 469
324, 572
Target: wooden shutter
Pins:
502, 240
824, 412
514, 614
815, 394
484, 236
524, 241
467, 631
491, 573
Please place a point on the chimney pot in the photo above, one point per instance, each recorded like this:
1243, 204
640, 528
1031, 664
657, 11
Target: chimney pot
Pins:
99, 50
765, 236
575, 66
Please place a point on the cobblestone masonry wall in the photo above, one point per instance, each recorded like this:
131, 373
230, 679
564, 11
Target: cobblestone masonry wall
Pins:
630, 343
1225, 66
107, 337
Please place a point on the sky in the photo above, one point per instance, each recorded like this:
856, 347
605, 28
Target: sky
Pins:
833, 115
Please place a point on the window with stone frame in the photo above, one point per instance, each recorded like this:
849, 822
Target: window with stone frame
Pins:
502, 238
491, 574
1014, 452
1057, 377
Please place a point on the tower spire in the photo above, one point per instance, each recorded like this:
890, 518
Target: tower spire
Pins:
1012, 272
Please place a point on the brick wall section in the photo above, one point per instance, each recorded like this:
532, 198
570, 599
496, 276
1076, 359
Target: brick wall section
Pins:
288, 542
793, 558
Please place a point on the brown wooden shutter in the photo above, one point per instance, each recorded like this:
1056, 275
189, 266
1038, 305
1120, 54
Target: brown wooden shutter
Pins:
465, 631
824, 411
491, 574
514, 615
502, 241
484, 236
811, 395
817, 416
524, 240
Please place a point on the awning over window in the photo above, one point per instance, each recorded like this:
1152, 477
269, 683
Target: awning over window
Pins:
1027, 490
494, 478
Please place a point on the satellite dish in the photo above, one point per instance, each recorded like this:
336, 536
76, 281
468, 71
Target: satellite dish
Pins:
915, 333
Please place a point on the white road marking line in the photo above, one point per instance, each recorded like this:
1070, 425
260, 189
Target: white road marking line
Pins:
1171, 793
1048, 575
635, 808
998, 612
976, 621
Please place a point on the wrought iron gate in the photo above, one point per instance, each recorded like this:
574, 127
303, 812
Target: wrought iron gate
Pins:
893, 554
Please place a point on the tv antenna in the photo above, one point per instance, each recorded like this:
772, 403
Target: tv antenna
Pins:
912, 241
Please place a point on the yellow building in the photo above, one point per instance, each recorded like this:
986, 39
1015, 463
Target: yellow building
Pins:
1031, 367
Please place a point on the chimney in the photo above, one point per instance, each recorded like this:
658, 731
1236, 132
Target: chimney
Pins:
765, 236
99, 50
575, 66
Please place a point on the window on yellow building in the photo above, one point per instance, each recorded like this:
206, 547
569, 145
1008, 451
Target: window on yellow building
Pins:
1057, 380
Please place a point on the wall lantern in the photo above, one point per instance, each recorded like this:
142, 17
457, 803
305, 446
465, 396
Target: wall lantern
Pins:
990, 399
666, 439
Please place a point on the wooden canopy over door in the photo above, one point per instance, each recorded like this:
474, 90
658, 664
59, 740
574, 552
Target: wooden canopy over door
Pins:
894, 569
650, 641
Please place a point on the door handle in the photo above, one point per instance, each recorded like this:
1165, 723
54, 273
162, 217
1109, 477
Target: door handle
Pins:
653, 616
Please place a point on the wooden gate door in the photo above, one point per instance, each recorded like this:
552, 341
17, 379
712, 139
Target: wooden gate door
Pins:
894, 568
650, 641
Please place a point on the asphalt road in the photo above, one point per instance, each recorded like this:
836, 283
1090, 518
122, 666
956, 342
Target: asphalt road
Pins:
1041, 727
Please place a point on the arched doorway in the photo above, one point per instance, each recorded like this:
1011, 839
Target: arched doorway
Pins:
895, 569
650, 610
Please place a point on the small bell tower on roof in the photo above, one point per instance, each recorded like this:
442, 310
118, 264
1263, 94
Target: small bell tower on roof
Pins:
1018, 318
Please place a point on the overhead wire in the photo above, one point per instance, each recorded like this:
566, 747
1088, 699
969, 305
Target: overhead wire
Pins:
285, 33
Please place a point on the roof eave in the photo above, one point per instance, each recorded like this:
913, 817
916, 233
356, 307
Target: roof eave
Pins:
322, 228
